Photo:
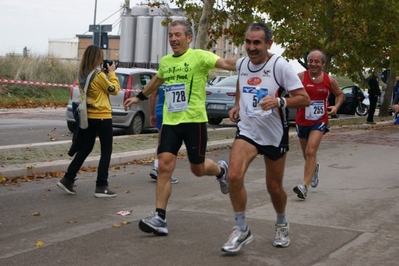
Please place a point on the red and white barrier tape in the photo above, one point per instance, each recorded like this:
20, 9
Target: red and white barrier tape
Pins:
51, 84
35, 83
132, 90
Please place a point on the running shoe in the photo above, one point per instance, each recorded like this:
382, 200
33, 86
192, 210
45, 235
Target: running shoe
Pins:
224, 181
237, 239
301, 191
282, 237
154, 224
315, 179
154, 175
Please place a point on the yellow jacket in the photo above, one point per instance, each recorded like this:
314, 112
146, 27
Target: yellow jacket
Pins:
98, 103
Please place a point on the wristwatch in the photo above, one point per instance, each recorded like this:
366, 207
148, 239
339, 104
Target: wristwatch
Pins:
281, 101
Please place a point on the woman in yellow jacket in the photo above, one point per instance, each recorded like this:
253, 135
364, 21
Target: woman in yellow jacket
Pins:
99, 113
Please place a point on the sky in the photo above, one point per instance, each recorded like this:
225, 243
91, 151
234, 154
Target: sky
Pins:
32, 24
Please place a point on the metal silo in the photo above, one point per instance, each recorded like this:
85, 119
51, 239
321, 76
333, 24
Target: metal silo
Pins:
140, 11
127, 38
159, 41
143, 41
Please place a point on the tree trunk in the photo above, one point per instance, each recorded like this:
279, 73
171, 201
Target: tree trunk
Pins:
202, 35
387, 101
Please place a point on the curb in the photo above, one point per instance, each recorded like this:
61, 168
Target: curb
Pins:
91, 161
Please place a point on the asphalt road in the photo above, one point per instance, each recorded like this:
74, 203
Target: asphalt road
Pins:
349, 219
39, 125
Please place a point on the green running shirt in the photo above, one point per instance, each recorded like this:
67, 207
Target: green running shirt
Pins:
185, 82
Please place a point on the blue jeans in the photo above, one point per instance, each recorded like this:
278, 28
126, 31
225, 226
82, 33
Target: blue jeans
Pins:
104, 130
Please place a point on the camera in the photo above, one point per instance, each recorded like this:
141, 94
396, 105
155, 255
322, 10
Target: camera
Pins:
105, 61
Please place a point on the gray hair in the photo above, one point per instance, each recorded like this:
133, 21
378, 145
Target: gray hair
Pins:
261, 26
323, 56
187, 27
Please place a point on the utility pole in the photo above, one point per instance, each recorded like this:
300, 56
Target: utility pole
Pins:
95, 12
100, 32
94, 23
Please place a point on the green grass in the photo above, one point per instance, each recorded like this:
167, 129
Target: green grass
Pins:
37, 69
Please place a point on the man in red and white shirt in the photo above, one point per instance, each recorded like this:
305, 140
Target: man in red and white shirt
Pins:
311, 122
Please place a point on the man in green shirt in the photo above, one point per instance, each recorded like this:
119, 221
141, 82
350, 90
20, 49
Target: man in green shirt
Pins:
184, 73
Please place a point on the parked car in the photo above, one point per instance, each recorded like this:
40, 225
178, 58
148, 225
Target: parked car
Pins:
215, 80
137, 117
220, 98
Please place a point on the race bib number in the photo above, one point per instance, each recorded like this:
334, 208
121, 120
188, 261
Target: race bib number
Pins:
176, 97
251, 101
315, 111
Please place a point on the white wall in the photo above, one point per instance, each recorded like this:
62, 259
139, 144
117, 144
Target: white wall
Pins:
63, 48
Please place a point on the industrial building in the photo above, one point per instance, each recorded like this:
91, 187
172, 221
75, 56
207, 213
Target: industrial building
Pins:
142, 41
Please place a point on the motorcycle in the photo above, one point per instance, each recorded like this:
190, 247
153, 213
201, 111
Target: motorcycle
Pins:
353, 103
361, 108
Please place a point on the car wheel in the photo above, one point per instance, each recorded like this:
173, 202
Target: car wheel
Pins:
363, 110
136, 125
214, 121
71, 126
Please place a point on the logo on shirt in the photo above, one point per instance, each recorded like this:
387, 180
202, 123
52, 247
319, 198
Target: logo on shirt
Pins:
266, 72
254, 81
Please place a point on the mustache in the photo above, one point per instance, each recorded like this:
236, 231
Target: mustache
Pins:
252, 51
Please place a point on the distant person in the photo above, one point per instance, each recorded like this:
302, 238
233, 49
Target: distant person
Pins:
184, 74
374, 91
312, 121
156, 121
262, 128
395, 91
99, 115
395, 106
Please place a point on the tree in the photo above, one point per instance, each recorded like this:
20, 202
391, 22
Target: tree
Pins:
355, 35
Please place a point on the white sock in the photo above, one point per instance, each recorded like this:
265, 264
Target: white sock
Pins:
240, 220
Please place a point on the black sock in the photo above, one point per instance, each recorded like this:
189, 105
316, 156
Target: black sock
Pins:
161, 213
221, 173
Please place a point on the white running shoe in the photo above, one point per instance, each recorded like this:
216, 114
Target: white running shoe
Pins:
237, 239
315, 179
282, 238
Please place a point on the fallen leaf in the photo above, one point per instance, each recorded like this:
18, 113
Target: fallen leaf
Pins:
39, 244
127, 191
72, 222
126, 222
2, 178
117, 226
36, 214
